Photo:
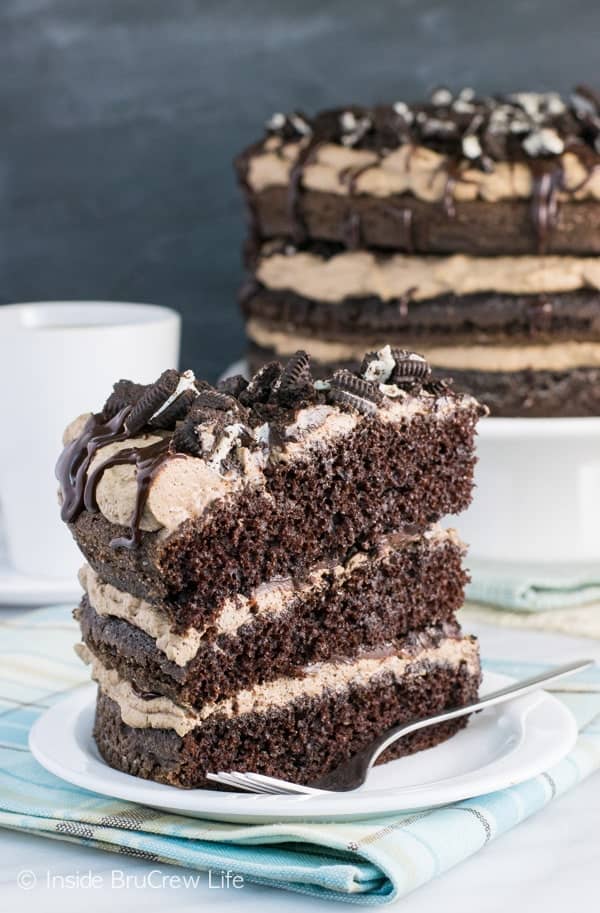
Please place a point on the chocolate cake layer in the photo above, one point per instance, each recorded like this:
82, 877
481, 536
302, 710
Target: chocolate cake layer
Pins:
534, 394
376, 597
404, 223
267, 482
483, 318
301, 739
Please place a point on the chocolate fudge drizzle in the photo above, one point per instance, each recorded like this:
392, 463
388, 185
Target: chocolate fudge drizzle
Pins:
74, 462
147, 461
78, 484
306, 156
352, 231
535, 129
548, 181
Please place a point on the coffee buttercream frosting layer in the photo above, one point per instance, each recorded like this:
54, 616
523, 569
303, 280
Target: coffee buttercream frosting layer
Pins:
162, 713
355, 274
419, 171
560, 356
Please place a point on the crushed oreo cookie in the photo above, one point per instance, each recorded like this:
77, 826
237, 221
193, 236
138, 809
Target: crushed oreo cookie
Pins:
227, 439
174, 412
211, 407
354, 391
289, 126
378, 367
233, 385
125, 393
340, 396
262, 384
154, 396
438, 387
216, 400
509, 127
164, 402
353, 128
296, 379
410, 368
185, 439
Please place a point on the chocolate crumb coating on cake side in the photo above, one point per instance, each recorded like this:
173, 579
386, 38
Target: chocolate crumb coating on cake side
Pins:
261, 478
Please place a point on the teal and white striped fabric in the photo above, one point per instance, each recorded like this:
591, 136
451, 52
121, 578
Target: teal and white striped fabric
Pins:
370, 862
523, 589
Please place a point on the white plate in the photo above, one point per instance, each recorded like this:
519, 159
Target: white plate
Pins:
500, 747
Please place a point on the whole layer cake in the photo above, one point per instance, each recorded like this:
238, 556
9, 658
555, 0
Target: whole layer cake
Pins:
265, 565
466, 228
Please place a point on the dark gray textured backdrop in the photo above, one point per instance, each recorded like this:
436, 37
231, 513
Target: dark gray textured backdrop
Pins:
119, 120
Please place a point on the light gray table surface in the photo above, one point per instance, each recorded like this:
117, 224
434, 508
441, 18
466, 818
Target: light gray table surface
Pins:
549, 863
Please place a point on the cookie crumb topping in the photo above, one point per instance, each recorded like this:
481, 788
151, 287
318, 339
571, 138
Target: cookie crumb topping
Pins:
480, 129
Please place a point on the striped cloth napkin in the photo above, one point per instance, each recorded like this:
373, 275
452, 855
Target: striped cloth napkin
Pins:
369, 862
523, 588
535, 598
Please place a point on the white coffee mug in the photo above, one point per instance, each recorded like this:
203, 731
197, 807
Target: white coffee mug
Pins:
58, 360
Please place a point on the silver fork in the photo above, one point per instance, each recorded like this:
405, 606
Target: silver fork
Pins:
353, 773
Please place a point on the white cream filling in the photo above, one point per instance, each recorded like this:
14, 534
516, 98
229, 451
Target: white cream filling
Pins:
409, 169
163, 713
186, 382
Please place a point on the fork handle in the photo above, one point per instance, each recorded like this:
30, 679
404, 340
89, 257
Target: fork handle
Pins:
489, 700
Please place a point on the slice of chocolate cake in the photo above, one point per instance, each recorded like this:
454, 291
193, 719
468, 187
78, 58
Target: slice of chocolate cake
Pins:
264, 564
